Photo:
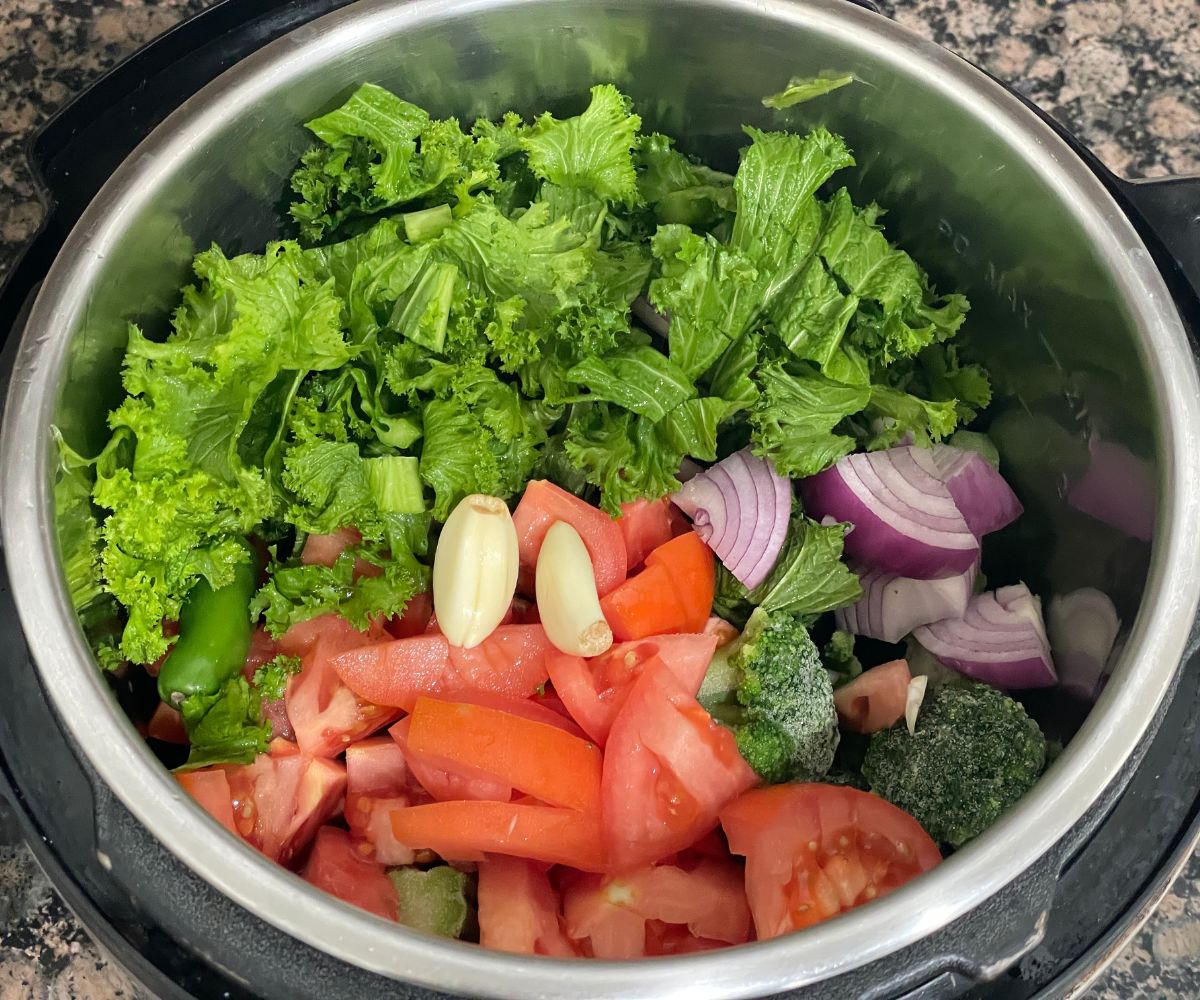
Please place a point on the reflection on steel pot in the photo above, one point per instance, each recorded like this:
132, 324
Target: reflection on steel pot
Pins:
1071, 315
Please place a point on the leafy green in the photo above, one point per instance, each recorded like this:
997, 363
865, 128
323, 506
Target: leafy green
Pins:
226, 727
271, 678
77, 526
805, 88
680, 191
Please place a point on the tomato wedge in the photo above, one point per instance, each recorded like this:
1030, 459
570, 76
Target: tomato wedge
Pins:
210, 788
166, 725
415, 618
668, 771
442, 779
281, 799
875, 699
539, 759
542, 504
335, 865
464, 831
594, 690
518, 909
377, 781
512, 660
612, 911
693, 575
398, 672
645, 525
674, 593
814, 851
325, 715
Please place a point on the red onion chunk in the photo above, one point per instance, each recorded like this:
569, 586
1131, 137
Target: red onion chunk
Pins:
892, 606
984, 499
740, 509
1083, 627
1117, 488
905, 520
1000, 640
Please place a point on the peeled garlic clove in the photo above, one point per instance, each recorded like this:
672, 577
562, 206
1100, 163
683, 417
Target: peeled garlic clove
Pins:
474, 570
567, 601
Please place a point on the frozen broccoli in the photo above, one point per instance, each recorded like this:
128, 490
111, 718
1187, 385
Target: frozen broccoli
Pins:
974, 753
775, 695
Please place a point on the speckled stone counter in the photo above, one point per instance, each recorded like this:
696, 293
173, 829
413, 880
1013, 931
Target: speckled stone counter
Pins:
1124, 75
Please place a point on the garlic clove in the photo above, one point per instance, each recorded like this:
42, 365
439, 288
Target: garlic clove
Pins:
474, 569
568, 604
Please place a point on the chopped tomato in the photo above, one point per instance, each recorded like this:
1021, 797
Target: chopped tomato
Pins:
415, 618
612, 911
645, 525
512, 660
323, 550
539, 759
377, 781
335, 865
166, 725
672, 939
447, 783
263, 649
522, 612
465, 831
281, 799
325, 714
724, 632
540, 708
397, 672
544, 503
669, 769
814, 851
300, 638
674, 593
693, 575
210, 788
875, 699
595, 689
518, 909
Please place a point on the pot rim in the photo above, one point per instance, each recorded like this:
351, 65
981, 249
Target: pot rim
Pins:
1032, 828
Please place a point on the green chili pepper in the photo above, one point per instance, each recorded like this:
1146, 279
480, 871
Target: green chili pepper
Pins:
214, 635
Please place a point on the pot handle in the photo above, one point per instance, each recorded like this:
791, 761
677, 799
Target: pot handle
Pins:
1170, 209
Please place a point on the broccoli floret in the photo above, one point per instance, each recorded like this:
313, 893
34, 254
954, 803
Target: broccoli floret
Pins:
778, 699
974, 753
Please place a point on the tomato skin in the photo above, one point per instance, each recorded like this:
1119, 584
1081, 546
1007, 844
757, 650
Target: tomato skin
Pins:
542, 504
693, 574
595, 689
210, 788
518, 909
645, 525
875, 699
674, 593
166, 725
336, 866
669, 769
614, 912
865, 848
396, 673
283, 797
512, 661
465, 831
323, 550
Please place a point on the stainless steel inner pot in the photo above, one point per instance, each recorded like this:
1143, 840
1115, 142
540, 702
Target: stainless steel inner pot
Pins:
1070, 313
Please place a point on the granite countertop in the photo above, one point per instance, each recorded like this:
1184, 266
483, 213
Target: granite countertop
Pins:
1123, 75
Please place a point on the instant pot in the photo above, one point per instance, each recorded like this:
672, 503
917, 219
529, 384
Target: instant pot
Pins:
1085, 301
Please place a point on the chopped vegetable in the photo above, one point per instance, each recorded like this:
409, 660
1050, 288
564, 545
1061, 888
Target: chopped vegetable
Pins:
1000, 639
1082, 627
433, 900
335, 865
674, 593
892, 606
876, 699
783, 708
980, 493
973, 754
800, 89
740, 509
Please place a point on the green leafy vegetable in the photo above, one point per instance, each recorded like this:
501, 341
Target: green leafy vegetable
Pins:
805, 88
226, 727
271, 678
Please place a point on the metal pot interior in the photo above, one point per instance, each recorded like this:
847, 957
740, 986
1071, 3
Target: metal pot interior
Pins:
1068, 314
